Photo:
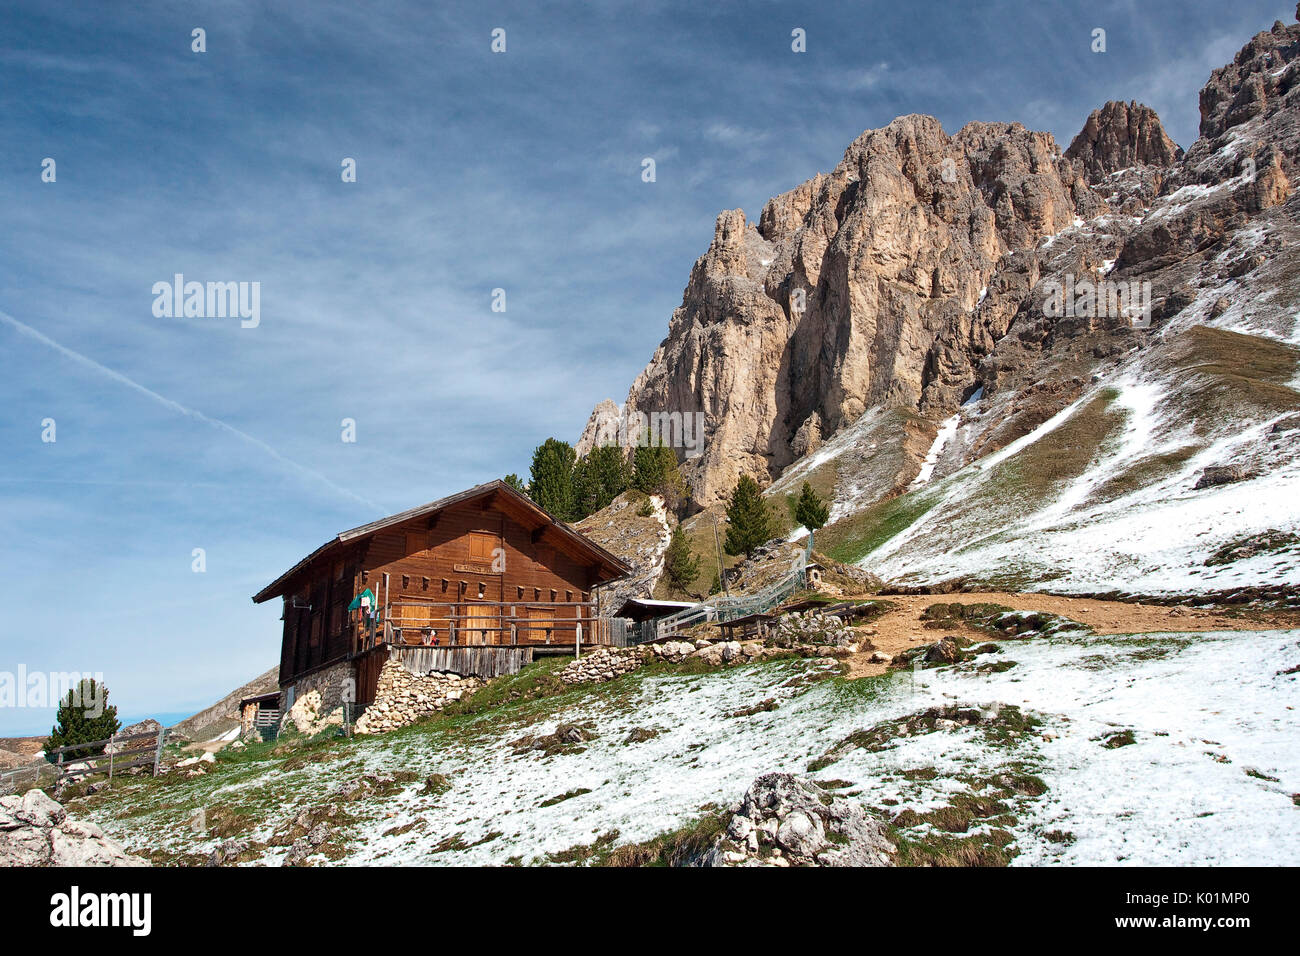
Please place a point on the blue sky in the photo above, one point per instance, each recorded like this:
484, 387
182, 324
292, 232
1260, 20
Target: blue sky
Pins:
475, 171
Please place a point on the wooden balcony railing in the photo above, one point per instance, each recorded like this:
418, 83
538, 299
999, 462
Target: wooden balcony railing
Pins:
484, 623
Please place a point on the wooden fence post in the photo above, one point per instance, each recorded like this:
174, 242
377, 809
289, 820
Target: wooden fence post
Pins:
157, 757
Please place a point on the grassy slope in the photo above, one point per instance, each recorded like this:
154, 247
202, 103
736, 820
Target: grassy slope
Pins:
1231, 376
699, 532
1010, 489
254, 793
673, 749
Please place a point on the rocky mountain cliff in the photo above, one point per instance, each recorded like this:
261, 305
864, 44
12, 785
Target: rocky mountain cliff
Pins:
867, 287
939, 299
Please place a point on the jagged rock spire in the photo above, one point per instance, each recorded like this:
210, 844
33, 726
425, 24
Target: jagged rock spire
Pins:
1119, 136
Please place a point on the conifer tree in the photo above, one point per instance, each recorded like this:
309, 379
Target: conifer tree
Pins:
680, 564
599, 478
551, 478
749, 523
83, 715
811, 511
655, 471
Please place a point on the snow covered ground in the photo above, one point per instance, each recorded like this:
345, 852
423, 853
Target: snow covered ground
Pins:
1114, 526
1208, 778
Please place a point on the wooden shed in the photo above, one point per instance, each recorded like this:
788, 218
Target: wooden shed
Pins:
646, 609
485, 568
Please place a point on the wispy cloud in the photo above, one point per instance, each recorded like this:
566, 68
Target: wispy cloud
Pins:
86, 362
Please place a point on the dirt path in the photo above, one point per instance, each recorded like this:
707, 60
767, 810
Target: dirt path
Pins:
902, 627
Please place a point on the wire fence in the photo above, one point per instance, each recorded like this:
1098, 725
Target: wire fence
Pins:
14, 779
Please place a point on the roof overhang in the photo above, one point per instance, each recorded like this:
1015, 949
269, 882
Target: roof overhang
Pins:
519, 507
259, 698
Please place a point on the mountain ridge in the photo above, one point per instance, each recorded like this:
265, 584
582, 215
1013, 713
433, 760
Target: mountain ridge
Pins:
986, 283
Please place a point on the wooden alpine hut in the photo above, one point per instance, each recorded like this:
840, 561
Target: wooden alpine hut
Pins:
475, 583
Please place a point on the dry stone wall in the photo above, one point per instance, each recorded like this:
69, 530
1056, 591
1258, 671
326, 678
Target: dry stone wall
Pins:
335, 684
602, 665
402, 698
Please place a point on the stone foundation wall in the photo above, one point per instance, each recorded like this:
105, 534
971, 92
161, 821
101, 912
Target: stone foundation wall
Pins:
402, 698
336, 683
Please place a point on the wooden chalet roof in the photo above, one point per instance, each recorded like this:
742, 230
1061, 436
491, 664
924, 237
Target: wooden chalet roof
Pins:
516, 505
641, 609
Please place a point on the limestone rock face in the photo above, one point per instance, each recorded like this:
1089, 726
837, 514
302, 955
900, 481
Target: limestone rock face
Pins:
917, 275
602, 428
37, 831
722, 356
1243, 165
1256, 83
856, 289
1121, 136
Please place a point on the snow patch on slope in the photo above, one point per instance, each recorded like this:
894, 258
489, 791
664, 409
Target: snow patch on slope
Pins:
946, 433
1158, 536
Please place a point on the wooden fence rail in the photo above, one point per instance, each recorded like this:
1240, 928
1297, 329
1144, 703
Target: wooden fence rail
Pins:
71, 764
429, 622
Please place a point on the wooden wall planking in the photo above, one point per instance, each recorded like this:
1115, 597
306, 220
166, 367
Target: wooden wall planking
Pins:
428, 558
485, 662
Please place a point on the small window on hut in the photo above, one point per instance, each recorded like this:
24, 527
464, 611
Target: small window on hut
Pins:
483, 546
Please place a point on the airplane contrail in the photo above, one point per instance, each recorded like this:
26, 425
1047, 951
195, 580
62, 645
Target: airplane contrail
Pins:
180, 409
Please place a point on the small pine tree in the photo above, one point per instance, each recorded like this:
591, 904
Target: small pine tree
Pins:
83, 715
811, 511
515, 482
680, 563
551, 478
749, 522
599, 478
